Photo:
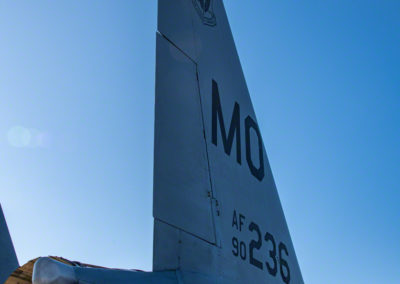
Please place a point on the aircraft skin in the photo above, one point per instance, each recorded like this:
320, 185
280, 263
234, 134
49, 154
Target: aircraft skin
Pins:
218, 217
8, 258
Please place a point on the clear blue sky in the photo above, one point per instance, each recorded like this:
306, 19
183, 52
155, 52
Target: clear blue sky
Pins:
76, 128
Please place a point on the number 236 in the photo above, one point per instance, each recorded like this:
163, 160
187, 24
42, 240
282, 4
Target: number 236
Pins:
239, 249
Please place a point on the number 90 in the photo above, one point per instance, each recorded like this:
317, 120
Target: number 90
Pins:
239, 248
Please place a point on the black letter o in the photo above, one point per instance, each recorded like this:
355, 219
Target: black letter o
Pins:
257, 172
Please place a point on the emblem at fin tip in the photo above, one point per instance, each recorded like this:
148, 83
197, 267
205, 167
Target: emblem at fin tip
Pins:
205, 10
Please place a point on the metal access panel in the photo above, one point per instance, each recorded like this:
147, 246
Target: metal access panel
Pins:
182, 191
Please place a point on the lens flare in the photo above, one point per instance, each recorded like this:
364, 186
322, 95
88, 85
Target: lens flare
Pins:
19, 136
22, 137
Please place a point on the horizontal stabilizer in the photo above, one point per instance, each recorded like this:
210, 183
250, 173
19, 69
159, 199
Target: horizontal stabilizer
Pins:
50, 271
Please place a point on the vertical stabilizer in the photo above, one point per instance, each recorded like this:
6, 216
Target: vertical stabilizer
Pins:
218, 217
8, 258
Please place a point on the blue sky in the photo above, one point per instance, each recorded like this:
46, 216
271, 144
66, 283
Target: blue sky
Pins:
76, 134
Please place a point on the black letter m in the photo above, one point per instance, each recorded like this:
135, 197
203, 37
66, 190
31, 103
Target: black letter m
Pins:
234, 126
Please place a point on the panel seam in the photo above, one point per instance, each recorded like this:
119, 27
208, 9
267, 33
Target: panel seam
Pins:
177, 47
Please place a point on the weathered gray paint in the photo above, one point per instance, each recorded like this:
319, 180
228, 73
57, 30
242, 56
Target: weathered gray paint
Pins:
8, 258
213, 52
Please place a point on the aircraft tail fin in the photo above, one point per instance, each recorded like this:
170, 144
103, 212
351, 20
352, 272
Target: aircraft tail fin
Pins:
218, 217
8, 258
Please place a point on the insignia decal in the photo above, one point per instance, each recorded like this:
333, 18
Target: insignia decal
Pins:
205, 10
